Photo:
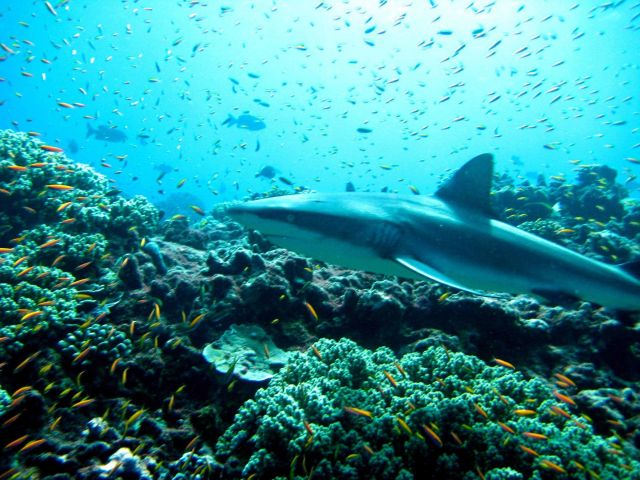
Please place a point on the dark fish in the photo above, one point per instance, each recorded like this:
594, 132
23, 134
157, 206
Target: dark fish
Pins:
267, 172
106, 133
246, 121
285, 180
163, 168
364, 130
350, 187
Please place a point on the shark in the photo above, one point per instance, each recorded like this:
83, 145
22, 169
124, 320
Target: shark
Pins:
451, 237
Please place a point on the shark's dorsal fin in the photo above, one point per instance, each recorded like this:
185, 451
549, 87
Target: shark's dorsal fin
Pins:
431, 273
470, 186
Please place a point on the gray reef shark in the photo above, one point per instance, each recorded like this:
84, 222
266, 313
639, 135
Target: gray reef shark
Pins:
451, 237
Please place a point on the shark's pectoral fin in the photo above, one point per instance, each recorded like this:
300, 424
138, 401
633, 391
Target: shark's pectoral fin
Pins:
431, 273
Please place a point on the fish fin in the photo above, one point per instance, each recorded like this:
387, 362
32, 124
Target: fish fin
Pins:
90, 131
470, 185
431, 273
231, 120
557, 297
632, 268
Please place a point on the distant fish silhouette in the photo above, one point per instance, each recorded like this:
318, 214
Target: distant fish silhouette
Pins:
267, 172
350, 187
106, 133
246, 121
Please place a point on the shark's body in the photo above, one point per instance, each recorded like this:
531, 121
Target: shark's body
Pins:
450, 238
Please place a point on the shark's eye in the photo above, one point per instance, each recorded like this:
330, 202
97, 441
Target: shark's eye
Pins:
291, 218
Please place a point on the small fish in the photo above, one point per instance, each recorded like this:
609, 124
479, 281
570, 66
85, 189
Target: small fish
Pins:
307, 427
565, 379
400, 369
16, 442
358, 411
57, 186
552, 466
49, 243
196, 320
535, 436
480, 410
507, 428
433, 435
83, 403
198, 210
524, 412
52, 10
32, 444
528, 450
316, 352
564, 398
30, 315
404, 426
50, 148
63, 206
559, 411
392, 380
134, 417
311, 310
504, 363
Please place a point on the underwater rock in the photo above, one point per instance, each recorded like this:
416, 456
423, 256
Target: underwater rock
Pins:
247, 352
236, 263
129, 273
153, 250
98, 429
125, 464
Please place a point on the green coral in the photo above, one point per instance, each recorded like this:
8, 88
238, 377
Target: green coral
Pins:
39, 290
299, 427
105, 343
90, 205
5, 401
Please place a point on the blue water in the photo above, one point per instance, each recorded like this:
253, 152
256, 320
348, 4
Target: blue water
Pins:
541, 84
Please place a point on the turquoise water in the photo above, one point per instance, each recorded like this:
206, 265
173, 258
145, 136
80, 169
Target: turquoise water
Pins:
539, 84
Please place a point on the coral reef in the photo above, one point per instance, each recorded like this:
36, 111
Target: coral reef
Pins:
106, 313
340, 411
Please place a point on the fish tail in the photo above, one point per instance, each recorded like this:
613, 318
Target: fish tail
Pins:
90, 131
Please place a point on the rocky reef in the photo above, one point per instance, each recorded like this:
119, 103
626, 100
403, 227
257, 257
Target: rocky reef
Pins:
135, 348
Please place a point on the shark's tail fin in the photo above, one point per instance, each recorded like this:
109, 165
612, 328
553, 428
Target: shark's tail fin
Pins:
90, 131
230, 121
